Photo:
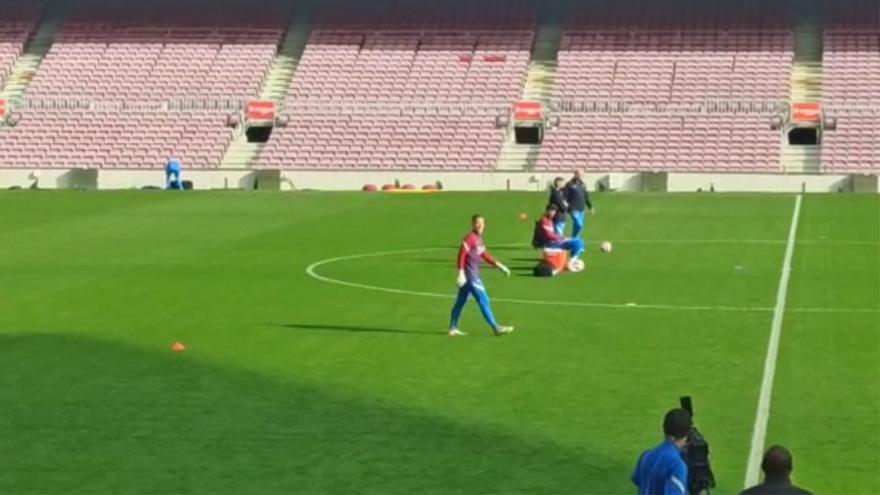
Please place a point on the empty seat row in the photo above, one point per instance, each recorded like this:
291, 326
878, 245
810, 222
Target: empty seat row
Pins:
728, 143
144, 140
624, 66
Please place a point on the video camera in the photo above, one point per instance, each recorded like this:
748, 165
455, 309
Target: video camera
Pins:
696, 455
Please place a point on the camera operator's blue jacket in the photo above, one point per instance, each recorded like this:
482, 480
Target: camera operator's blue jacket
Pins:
661, 471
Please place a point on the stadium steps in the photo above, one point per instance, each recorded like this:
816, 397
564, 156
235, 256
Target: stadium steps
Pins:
806, 71
801, 159
286, 60
806, 86
539, 86
32, 56
241, 153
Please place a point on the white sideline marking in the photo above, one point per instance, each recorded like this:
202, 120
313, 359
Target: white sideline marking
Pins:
747, 241
759, 432
312, 271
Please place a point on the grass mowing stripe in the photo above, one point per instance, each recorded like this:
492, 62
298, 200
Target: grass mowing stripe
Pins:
759, 433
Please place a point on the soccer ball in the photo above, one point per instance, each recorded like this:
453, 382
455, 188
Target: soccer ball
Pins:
605, 247
576, 265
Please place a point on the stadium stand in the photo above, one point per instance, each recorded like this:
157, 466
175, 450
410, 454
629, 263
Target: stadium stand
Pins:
129, 54
675, 66
851, 65
154, 64
389, 85
432, 55
850, 14
140, 139
851, 76
17, 20
663, 142
638, 53
854, 147
435, 15
390, 66
119, 50
377, 142
692, 15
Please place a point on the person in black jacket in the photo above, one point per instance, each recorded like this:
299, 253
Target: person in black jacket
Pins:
777, 465
578, 202
557, 199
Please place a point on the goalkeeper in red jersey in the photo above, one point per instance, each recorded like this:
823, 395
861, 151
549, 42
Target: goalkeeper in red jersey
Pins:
471, 254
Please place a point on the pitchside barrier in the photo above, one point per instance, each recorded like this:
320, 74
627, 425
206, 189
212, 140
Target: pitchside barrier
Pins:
292, 180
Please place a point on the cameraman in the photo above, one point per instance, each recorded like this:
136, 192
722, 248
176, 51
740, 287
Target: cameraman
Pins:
662, 470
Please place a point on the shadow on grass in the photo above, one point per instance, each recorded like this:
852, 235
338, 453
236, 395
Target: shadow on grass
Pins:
356, 329
507, 248
449, 260
89, 416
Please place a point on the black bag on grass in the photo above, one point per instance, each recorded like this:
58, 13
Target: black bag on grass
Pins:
543, 269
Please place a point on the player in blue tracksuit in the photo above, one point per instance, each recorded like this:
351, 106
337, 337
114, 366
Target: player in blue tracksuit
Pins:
470, 255
172, 174
662, 470
578, 203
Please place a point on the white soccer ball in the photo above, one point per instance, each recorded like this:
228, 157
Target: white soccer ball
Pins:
576, 265
605, 247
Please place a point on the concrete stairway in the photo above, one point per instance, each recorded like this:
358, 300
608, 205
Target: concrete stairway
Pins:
32, 56
241, 153
806, 86
539, 86
284, 66
801, 159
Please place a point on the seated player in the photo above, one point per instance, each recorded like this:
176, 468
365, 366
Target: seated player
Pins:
172, 174
545, 235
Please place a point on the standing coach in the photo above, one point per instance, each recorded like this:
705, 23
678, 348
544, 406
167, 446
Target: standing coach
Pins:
578, 202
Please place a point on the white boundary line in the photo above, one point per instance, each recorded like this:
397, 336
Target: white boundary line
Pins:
746, 241
759, 432
312, 271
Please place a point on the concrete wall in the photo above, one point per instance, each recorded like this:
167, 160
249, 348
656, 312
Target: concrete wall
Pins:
758, 183
454, 181
202, 179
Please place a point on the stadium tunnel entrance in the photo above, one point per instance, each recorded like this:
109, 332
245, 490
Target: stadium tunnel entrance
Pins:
803, 136
258, 134
529, 135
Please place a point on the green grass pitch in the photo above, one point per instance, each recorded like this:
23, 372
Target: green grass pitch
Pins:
291, 384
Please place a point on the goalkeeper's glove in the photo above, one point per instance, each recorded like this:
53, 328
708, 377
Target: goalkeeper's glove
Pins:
461, 279
503, 268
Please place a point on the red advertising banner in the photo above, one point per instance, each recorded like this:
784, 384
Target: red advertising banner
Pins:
528, 110
260, 111
806, 112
